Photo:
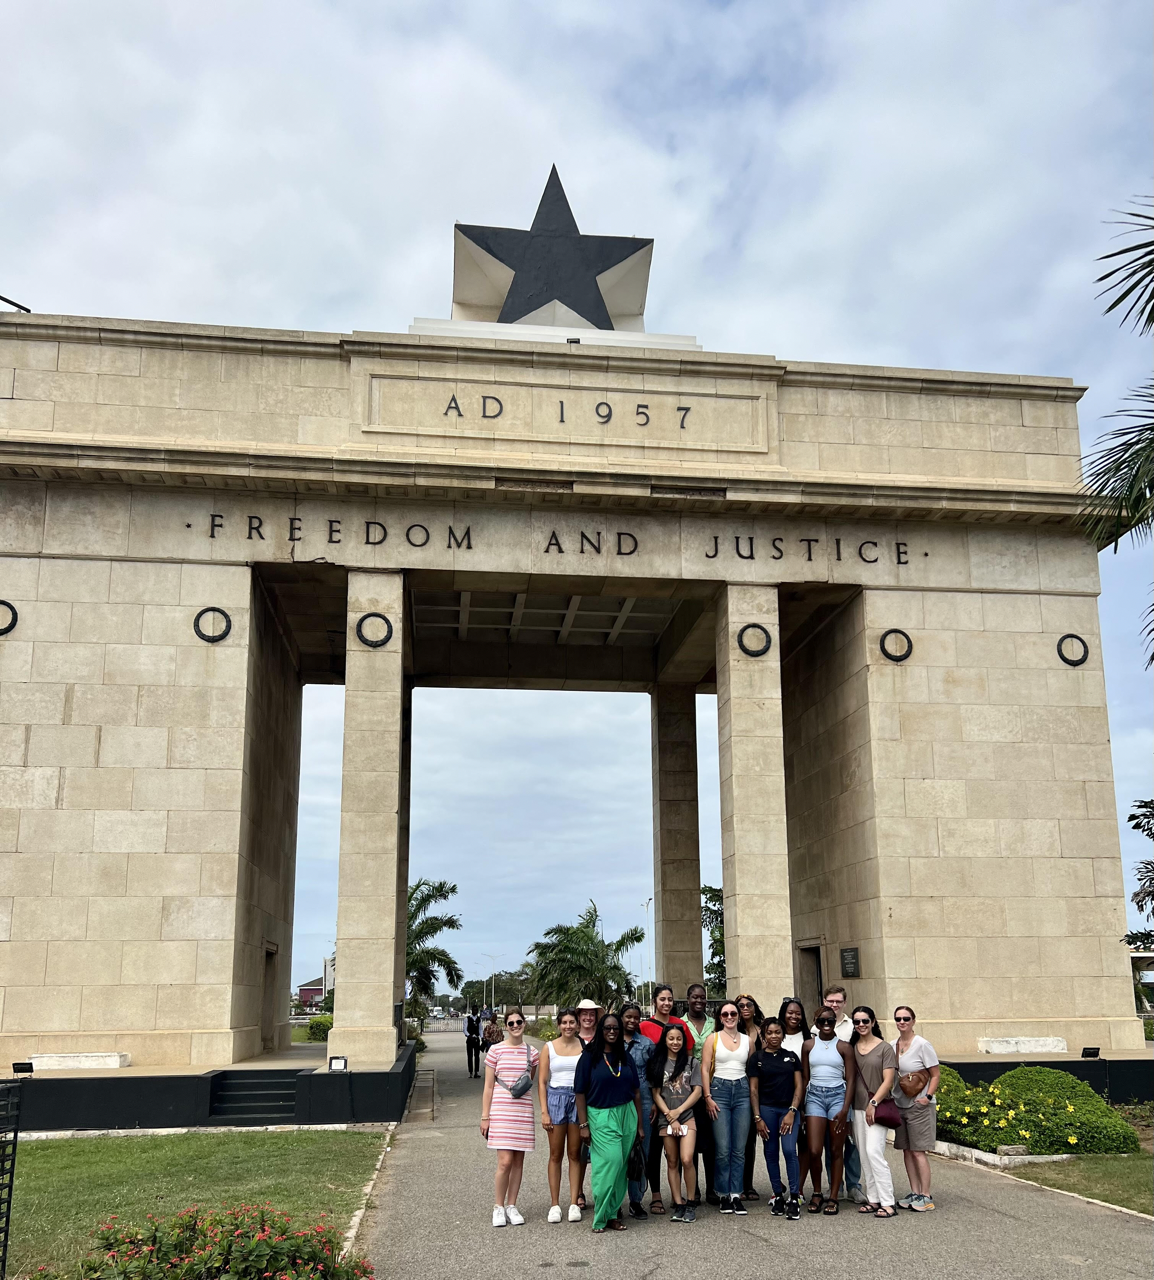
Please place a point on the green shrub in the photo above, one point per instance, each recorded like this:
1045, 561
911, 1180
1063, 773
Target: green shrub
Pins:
1047, 1111
543, 1029
320, 1026
247, 1242
1148, 1028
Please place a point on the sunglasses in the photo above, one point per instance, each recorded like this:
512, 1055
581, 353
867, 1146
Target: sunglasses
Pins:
862, 1022
729, 1013
901, 1017
515, 1022
825, 1022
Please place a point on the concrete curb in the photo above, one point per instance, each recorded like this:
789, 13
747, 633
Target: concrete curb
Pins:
358, 1217
971, 1155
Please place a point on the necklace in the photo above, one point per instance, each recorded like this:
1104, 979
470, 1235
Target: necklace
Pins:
610, 1065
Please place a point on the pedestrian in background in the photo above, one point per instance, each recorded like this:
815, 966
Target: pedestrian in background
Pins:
918, 1077
507, 1121
473, 1027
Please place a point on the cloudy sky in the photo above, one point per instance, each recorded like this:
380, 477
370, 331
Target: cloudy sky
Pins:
875, 181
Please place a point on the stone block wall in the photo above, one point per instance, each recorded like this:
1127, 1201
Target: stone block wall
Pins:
126, 797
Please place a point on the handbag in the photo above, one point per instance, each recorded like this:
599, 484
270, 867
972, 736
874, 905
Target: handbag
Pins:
886, 1113
913, 1082
524, 1082
635, 1169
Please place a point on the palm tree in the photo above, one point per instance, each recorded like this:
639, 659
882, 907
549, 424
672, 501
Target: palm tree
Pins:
424, 959
574, 962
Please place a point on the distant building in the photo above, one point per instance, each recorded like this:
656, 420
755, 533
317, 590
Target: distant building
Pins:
311, 993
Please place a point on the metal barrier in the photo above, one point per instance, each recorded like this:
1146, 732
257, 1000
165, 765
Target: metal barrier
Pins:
9, 1129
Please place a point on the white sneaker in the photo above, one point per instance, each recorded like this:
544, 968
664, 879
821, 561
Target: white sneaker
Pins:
554, 1214
514, 1217
858, 1196
498, 1216
906, 1201
574, 1213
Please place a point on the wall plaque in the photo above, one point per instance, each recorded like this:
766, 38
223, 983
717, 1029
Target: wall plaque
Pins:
850, 962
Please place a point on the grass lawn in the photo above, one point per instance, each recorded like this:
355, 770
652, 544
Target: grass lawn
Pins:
1124, 1180
66, 1186
300, 1035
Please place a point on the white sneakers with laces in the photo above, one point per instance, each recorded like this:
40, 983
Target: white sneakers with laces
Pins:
554, 1214
513, 1215
498, 1216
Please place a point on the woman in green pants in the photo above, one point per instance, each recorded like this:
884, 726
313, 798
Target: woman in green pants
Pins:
608, 1096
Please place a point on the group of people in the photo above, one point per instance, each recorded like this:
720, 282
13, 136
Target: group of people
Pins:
622, 1092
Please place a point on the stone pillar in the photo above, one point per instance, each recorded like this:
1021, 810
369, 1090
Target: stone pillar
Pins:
373, 874
676, 862
755, 878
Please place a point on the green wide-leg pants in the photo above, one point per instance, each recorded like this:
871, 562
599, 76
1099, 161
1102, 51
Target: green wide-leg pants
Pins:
611, 1134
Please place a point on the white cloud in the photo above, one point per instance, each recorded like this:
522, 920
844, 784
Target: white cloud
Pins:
870, 181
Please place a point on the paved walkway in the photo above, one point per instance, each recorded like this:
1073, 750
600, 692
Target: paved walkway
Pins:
434, 1200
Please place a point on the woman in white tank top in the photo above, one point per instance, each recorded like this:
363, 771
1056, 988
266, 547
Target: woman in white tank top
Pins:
559, 1112
726, 1088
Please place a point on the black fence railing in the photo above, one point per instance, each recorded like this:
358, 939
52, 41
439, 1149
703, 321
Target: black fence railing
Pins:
9, 1128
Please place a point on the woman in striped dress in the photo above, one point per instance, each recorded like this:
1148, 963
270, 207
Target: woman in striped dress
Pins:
507, 1122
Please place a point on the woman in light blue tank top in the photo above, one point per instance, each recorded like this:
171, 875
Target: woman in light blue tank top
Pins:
829, 1071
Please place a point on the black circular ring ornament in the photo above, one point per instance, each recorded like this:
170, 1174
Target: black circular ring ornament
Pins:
204, 635
13, 620
1073, 662
895, 656
749, 650
374, 644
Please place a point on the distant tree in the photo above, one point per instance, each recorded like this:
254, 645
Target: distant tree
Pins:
328, 1001
1142, 820
475, 992
425, 958
575, 962
713, 923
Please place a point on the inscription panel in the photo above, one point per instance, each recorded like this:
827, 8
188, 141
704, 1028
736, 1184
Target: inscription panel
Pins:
560, 413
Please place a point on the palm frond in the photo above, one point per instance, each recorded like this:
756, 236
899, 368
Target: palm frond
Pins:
423, 960
1130, 281
1119, 477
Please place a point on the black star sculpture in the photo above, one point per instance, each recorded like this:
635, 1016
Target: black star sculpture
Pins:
553, 261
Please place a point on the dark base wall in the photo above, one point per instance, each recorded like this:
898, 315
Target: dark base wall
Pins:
176, 1102
1119, 1079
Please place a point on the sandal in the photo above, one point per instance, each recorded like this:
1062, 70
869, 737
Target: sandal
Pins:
614, 1224
815, 1203
830, 1209
656, 1207
868, 1207
751, 1194
581, 1200
886, 1211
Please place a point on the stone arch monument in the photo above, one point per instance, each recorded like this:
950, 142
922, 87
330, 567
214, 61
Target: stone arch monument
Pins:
879, 571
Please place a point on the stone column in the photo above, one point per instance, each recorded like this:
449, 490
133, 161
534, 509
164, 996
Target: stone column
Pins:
755, 877
676, 862
373, 872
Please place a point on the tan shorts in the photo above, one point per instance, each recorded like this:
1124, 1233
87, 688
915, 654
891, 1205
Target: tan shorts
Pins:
920, 1130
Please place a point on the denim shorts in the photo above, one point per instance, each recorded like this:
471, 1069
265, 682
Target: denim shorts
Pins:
824, 1100
562, 1105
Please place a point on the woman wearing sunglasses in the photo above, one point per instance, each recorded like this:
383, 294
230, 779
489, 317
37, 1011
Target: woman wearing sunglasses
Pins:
829, 1072
918, 1077
726, 1088
750, 1020
507, 1120
559, 1113
608, 1095
877, 1067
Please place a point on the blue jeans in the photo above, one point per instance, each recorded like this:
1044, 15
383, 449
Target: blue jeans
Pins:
773, 1116
730, 1130
637, 1189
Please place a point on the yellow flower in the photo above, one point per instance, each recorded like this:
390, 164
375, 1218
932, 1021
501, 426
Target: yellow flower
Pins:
1010, 1114
1001, 1124
967, 1109
1069, 1106
1072, 1140
997, 1102
986, 1123
949, 1114
984, 1110
964, 1120
1024, 1133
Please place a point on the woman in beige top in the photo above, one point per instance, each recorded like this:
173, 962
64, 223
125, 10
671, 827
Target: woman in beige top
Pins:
877, 1067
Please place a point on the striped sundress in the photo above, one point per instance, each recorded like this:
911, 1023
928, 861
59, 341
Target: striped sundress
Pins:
511, 1123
